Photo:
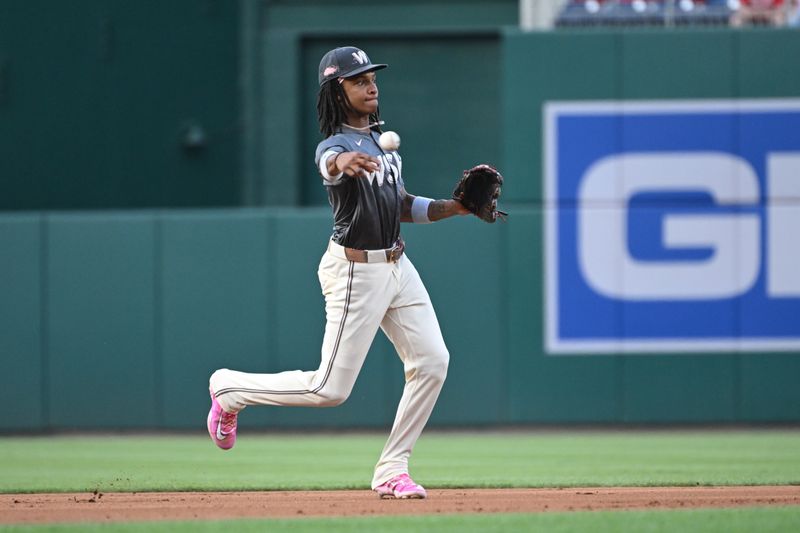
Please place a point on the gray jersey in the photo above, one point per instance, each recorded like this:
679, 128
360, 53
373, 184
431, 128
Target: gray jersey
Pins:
366, 210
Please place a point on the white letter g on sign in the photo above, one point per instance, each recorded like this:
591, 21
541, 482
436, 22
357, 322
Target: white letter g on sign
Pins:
606, 262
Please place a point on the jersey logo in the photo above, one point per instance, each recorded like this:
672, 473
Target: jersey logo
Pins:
360, 57
358, 142
386, 172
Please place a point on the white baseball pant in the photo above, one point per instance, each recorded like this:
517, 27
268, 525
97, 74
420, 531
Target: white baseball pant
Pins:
359, 298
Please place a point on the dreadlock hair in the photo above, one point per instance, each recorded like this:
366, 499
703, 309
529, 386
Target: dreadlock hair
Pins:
333, 106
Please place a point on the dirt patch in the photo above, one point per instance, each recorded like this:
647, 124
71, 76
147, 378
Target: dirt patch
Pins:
116, 506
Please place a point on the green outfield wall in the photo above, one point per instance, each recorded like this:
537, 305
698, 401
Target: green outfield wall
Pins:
631, 66
101, 103
210, 103
116, 320
134, 264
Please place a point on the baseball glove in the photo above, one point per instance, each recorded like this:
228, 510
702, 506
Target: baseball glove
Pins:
478, 190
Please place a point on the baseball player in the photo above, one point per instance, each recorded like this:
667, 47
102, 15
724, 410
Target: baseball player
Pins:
366, 278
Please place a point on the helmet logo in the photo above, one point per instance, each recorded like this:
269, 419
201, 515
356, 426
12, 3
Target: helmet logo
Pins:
360, 57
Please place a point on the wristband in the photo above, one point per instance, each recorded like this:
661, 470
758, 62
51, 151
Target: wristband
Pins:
323, 165
419, 210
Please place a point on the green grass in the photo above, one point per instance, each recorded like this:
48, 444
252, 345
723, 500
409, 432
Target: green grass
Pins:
489, 459
746, 520
330, 461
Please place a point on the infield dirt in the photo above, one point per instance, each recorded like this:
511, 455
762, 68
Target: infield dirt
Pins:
119, 506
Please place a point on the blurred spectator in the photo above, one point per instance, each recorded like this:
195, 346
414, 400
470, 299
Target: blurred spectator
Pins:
759, 13
592, 13
793, 19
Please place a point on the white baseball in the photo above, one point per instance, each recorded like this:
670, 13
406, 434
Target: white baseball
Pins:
389, 141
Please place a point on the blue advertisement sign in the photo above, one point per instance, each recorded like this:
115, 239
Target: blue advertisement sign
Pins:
672, 226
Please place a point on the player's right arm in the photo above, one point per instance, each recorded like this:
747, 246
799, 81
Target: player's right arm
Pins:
351, 163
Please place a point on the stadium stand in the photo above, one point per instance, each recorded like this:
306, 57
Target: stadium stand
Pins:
759, 13
590, 13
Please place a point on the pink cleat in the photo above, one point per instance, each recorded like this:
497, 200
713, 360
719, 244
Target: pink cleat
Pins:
402, 487
221, 425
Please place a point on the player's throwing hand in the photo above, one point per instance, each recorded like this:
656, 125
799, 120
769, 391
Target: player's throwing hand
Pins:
356, 164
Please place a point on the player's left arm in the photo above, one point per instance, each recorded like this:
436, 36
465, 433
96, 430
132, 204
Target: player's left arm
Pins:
433, 210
